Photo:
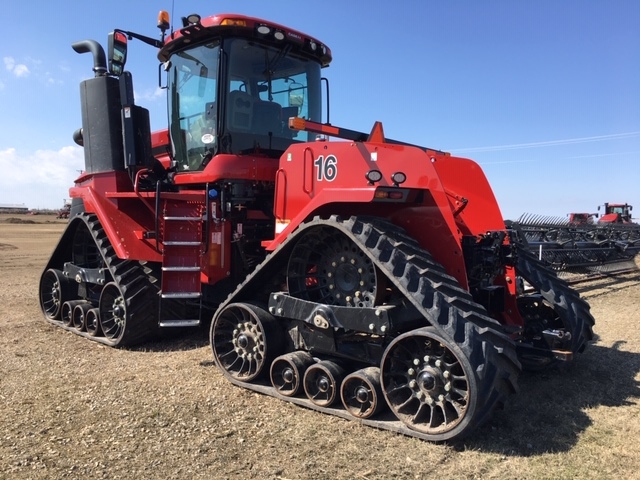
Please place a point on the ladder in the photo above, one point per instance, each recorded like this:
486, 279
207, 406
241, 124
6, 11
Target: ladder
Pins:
181, 289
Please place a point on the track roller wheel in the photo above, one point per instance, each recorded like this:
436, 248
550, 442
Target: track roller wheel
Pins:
113, 312
78, 316
244, 339
67, 311
92, 322
287, 372
362, 394
429, 384
322, 382
55, 289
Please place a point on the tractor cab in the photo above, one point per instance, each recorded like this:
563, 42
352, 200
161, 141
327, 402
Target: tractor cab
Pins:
233, 83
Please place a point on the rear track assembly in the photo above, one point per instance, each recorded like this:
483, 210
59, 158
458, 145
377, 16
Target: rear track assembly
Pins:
123, 313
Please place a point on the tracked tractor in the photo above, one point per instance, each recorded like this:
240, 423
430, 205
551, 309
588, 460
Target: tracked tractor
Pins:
343, 271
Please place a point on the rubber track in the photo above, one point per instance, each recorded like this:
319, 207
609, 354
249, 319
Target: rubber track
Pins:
139, 288
444, 305
566, 302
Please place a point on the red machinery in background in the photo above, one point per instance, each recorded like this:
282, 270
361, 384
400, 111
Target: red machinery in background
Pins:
366, 278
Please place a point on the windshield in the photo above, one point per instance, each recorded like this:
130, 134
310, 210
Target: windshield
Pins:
193, 80
260, 89
265, 87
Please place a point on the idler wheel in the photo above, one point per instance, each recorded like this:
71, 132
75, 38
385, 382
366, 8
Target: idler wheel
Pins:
429, 383
55, 289
244, 339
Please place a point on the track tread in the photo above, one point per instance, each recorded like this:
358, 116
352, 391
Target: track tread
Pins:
572, 309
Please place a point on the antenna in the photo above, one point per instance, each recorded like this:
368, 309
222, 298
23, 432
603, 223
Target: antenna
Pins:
173, 2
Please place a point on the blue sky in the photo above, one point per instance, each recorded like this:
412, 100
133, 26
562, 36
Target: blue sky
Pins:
544, 95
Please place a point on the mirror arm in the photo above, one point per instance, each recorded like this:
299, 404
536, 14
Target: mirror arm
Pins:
148, 40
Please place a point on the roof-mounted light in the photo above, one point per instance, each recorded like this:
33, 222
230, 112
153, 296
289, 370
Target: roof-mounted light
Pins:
313, 45
163, 21
278, 35
263, 30
193, 19
233, 22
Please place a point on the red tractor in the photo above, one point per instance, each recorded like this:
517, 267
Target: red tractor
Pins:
366, 278
616, 213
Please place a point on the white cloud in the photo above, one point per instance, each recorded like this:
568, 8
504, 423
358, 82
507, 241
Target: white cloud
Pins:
150, 95
41, 179
18, 69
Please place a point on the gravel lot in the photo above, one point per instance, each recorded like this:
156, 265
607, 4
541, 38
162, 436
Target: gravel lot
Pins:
70, 408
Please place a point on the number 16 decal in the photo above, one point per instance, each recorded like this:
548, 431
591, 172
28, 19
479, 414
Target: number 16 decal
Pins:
327, 168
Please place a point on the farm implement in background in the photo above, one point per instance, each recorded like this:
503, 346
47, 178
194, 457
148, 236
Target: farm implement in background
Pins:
579, 247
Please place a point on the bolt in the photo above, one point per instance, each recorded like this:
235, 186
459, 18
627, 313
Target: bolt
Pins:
429, 400
272, 309
383, 328
411, 372
362, 283
438, 363
343, 259
276, 297
441, 398
358, 294
338, 295
372, 327
416, 361
360, 270
280, 311
447, 386
334, 264
426, 358
446, 374
412, 384
239, 326
331, 286
353, 261
378, 313
329, 274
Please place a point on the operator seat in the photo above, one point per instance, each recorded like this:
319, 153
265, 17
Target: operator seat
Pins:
240, 110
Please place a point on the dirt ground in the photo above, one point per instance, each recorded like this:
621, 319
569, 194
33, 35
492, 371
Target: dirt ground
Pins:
70, 408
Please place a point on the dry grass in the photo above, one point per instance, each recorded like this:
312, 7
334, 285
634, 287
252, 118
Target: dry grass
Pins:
73, 409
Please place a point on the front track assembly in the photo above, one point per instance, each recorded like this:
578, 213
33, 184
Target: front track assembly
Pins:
428, 363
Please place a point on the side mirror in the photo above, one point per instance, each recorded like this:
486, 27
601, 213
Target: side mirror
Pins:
117, 52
